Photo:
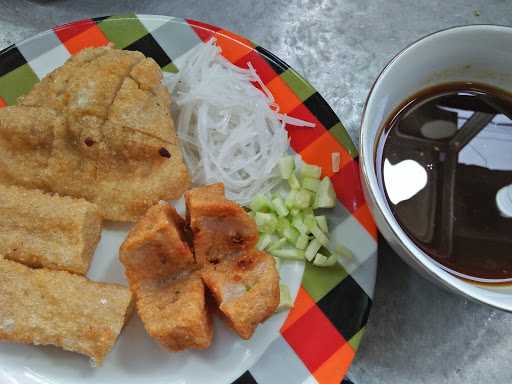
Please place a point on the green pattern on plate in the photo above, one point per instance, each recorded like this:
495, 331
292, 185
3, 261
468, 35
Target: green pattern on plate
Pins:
16, 83
123, 30
319, 281
171, 68
356, 339
299, 86
341, 135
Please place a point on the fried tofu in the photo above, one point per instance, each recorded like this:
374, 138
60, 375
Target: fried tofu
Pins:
44, 307
161, 271
43, 230
219, 226
246, 289
99, 127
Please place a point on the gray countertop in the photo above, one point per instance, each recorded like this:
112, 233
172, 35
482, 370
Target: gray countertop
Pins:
417, 333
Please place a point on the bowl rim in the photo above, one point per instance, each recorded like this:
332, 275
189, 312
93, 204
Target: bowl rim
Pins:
382, 218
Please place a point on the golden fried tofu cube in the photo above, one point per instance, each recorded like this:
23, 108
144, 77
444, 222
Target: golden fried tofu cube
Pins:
44, 307
246, 288
44, 230
175, 312
170, 296
220, 227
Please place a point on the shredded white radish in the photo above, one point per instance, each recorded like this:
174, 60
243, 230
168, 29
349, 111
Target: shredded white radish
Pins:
335, 161
230, 131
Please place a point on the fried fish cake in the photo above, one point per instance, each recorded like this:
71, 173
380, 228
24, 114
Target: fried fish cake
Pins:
219, 226
156, 247
44, 230
161, 271
106, 134
44, 307
174, 312
246, 289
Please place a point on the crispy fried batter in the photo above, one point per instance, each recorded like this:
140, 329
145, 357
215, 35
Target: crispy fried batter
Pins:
220, 227
44, 307
43, 230
160, 268
246, 289
99, 128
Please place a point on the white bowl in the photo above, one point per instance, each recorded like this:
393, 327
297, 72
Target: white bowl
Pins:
479, 53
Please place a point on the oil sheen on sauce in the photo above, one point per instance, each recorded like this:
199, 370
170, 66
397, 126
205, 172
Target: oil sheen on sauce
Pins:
444, 156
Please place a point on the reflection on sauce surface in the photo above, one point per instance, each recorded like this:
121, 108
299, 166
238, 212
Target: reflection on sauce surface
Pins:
460, 136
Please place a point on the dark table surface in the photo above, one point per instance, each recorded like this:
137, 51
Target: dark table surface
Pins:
417, 332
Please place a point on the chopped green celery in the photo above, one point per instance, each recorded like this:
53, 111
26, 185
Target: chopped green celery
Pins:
279, 207
277, 244
312, 249
298, 223
294, 181
285, 299
302, 199
309, 170
294, 211
322, 223
266, 222
261, 203
286, 166
310, 184
264, 241
289, 201
291, 234
288, 253
325, 196
344, 252
308, 212
317, 232
324, 261
302, 242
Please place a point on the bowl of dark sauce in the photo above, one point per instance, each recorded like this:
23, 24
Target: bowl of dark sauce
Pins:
436, 159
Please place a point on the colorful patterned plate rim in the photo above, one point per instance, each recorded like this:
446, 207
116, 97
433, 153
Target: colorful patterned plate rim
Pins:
316, 341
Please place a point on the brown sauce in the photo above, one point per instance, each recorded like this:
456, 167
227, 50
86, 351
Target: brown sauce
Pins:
443, 156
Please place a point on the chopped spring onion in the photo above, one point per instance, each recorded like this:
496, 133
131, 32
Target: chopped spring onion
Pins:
325, 196
322, 223
288, 253
285, 299
335, 161
266, 222
261, 203
324, 261
294, 181
309, 170
286, 166
302, 241
312, 249
279, 207
264, 241
310, 183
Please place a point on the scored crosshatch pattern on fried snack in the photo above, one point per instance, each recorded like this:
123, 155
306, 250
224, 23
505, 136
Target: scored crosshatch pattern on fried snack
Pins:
319, 338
